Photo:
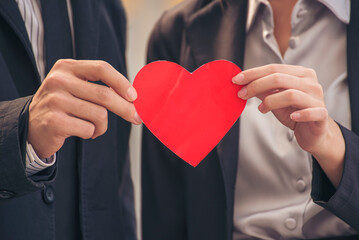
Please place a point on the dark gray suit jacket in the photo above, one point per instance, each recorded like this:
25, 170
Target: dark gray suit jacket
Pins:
92, 195
180, 202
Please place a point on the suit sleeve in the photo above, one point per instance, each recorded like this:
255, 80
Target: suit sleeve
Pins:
13, 135
163, 212
343, 201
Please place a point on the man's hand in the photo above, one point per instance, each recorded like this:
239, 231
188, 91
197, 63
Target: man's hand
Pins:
68, 105
295, 97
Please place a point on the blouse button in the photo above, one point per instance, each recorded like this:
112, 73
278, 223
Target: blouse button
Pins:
301, 186
290, 135
301, 12
290, 223
293, 42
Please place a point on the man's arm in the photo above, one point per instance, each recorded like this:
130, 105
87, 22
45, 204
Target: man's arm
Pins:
66, 104
13, 125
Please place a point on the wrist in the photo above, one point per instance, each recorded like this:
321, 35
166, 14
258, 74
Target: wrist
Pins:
330, 154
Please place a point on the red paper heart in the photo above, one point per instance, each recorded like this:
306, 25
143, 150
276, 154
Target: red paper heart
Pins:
188, 112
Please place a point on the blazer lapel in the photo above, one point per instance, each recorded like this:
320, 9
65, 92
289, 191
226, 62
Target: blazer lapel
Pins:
353, 61
217, 31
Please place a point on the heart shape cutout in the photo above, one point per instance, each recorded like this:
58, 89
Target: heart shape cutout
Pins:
188, 112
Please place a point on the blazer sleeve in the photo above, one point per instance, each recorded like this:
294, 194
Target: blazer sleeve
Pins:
163, 211
343, 201
13, 134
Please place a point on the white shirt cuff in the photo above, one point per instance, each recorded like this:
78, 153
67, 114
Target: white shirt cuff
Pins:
34, 164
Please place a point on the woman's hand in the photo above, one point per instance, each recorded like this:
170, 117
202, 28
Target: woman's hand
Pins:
296, 98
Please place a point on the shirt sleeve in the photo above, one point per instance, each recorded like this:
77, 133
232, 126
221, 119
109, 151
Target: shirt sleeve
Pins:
34, 164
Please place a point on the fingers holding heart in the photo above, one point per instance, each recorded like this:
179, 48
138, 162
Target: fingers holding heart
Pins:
249, 75
289, 98
282, 86
277, 82
68, 104
89, 112
310, 115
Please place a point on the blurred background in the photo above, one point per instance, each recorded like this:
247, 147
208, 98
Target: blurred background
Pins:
141, 17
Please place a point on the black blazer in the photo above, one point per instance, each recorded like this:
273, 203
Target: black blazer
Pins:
180, 202
92, 195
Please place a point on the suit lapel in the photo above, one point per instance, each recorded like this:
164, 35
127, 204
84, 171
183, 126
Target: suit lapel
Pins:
11, 14
85, 23
218, 32
86, 35
86, 27
353, 61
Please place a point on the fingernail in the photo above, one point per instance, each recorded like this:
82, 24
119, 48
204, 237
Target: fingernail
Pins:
261, 108
242, 93
238, 79
131, 93
295, 116
137, 118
